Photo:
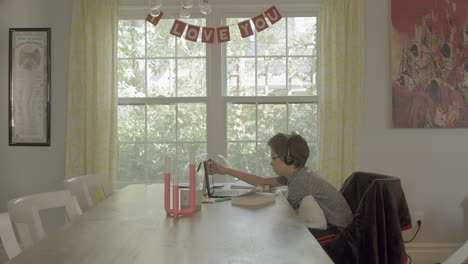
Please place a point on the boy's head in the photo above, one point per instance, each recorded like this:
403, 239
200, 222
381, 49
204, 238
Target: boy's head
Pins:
292, 148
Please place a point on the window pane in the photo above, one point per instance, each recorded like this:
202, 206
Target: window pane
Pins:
272, 41
241, 121
186, 48
241, 76
303, 120
191, 119
131, 119
242, 156
160, 42
184, 158
161, 123
191, 77
157, 154
239, 46
131, 36
302, 76
131, 78
131, 163
271, 120
161, 77
271, 76
264, 168
280, 61
302, 35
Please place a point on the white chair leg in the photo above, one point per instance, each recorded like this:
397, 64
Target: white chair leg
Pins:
459, 256
8, 236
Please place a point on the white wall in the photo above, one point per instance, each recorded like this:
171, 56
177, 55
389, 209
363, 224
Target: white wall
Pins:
27, 170
432, 163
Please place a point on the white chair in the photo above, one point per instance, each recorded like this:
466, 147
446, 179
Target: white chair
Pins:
78, 186
89, 189
459, 256
24, 214
105, 183
7, 235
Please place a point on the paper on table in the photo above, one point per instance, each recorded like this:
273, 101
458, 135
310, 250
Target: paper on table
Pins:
241, 185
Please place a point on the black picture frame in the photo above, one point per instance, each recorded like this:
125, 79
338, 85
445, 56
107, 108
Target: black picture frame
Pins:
29, 88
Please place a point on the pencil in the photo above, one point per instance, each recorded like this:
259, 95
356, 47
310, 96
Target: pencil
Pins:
222, 199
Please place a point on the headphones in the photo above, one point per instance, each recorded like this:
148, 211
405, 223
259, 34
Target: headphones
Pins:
288, 159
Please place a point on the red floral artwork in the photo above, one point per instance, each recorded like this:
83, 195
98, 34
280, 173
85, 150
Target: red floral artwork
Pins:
429, 63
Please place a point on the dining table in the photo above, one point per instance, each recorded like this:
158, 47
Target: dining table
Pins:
131, 227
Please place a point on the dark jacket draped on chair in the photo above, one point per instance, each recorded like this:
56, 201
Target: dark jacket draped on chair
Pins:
380, 213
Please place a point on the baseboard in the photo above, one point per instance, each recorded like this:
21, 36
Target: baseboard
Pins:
430, 253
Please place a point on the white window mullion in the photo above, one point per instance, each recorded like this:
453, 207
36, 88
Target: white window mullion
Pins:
176, 161
145, 144
256, 134
287, 59
216, 105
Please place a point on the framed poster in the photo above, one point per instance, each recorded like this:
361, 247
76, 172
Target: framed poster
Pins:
29, 87
429, 63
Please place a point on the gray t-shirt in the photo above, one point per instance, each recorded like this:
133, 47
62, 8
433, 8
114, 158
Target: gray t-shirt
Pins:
333, 204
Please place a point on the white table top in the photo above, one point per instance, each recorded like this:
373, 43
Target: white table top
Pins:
131, 227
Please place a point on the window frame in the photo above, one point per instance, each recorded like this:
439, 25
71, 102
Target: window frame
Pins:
216, 99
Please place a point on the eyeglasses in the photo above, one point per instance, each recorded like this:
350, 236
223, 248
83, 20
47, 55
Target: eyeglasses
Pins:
275, 157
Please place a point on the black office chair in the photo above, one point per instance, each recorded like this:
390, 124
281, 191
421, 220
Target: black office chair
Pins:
380, 214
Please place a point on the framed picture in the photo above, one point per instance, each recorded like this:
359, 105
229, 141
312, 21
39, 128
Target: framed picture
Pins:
29, 87
429, 63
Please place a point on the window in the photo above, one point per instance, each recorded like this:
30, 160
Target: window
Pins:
175, 94
271, 87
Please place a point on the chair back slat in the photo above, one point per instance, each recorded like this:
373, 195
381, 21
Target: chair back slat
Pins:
25, 217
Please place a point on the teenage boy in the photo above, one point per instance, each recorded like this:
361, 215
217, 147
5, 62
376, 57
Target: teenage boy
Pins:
289, 153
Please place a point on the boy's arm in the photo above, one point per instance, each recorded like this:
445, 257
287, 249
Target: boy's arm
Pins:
253, 179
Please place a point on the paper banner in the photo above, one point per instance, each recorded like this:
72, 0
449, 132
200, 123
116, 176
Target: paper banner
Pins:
208, 35
220, 34
178, 28
245, 28
260, 22
154, 20
192, 33
223, 34
273, 15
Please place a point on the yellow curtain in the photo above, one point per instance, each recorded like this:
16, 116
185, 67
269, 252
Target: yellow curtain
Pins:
341, 99
91, 143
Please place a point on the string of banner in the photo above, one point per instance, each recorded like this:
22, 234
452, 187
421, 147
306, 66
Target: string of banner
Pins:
219, 34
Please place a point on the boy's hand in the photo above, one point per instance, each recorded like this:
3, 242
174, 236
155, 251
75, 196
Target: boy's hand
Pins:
215, 168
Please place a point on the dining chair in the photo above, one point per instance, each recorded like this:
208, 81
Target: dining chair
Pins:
105, 183
25, 214
7, 236
89, 189
459, 256
78, 186
380, 214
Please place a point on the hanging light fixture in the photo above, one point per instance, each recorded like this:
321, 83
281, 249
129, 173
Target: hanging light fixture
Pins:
205, 8
156, 5
187, 4
184, 12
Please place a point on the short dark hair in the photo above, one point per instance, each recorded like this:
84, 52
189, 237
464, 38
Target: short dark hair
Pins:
298, 148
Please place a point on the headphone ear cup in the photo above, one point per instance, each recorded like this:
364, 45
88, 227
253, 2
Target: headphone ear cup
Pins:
288, 160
